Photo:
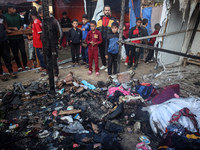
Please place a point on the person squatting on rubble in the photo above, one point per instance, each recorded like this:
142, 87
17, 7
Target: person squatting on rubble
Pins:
16, 42
65, 23
135, 32
112, 48
54, 40
4, 48
85, 29
75, 38
37, 42
152, 42
93, 40
104, 26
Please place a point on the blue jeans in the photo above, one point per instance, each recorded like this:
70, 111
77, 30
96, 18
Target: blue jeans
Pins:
40, 57
141, 53
84, 53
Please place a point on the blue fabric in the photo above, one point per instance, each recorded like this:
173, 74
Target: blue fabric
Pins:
113, 46
136, 4
87, 29
146, 12
132, 16
144, 91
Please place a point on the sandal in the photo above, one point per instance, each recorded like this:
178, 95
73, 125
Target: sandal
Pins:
144, 139
3, 78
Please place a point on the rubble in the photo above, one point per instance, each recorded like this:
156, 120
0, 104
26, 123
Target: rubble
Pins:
114, 115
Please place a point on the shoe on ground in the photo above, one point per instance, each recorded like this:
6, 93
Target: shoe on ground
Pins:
129, 67
83, 63
97, 73
3, 78
55, 79
27, 68
20, 69
73, 65
134, 68
106, 70
77, 65
102, 67
126, 64
147, 62
86, 66
89, 72
13, 75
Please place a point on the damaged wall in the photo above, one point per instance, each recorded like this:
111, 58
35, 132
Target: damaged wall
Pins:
196, 44
183, 16
174, 42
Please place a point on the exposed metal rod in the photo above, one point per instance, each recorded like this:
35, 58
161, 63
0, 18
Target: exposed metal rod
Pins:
47, 48
160, 49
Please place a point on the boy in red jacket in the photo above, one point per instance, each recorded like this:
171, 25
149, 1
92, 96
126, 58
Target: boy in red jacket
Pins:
93, 39
151, 43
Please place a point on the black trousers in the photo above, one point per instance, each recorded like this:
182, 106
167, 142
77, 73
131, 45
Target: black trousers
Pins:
135, 52
75, 51
150, 54
5, 54
15, 46
102, 52
112, 62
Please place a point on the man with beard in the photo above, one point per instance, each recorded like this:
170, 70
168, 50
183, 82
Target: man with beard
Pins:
104, 26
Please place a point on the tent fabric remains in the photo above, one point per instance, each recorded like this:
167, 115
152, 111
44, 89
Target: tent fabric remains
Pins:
146, 12
132, 15
99, 10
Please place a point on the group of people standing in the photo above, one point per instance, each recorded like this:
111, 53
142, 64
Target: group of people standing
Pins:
11, 21
93, 38
102, 38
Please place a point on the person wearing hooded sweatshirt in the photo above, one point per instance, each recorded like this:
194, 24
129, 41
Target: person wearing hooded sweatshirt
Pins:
104, 26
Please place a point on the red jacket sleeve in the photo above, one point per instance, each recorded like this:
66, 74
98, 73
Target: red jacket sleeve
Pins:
100, 40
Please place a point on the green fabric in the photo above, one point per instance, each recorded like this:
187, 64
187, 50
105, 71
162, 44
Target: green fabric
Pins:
14, 20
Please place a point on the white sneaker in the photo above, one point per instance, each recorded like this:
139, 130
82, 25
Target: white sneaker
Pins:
102, 67
126, 64
27, 68
20, 69
106, 70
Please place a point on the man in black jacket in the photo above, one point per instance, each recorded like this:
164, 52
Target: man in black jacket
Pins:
104, 26
65, 23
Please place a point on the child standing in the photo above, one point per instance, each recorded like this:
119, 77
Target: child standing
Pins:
151, 43
112, 48
93, 39
85, 29
37, 43
135, 32
75, 38
31, 50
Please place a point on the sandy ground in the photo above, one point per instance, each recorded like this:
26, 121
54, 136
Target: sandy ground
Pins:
29, 76
65, 53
